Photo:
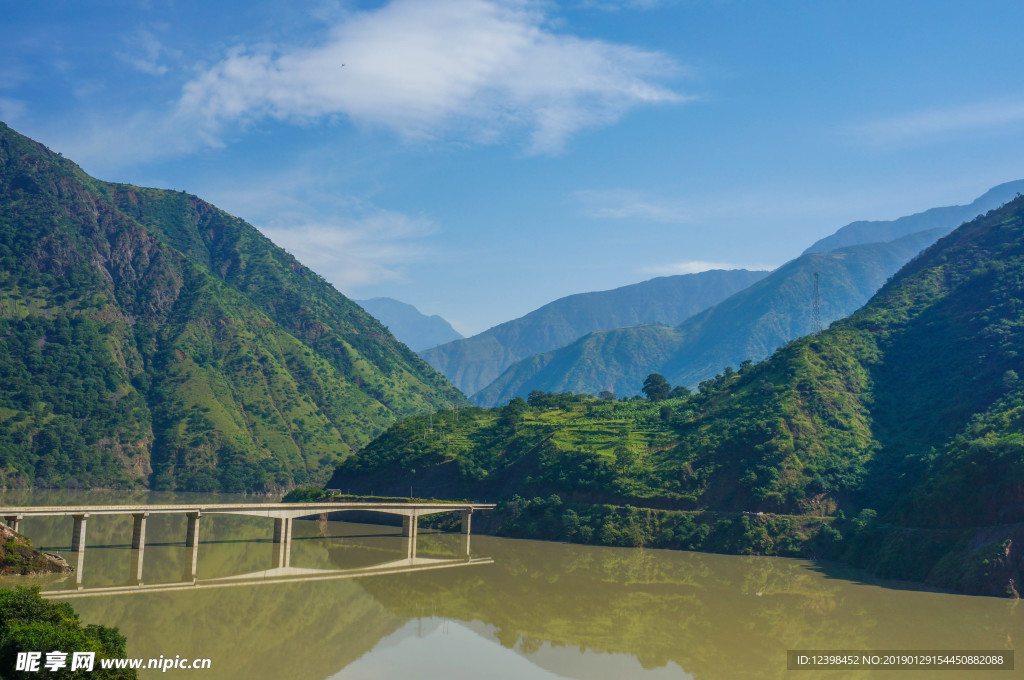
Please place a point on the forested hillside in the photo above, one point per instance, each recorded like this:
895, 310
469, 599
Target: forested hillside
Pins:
148, 338
907, 416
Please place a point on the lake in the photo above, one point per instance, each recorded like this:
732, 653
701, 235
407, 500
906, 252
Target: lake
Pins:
507, 609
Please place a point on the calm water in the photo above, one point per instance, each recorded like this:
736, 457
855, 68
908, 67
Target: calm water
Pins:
539, 610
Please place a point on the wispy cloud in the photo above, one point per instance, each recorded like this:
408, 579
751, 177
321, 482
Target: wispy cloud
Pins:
356, 251
347, 239
146, 53
627, 204
929, 124
12, 110
12, 74
105, 143
478, 69
695, 266
617, 5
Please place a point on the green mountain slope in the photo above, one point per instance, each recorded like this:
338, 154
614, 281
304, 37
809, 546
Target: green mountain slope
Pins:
946, 218
748, 325
147, 337
758, 320
907, 414
417, 330
607, 360
473, 363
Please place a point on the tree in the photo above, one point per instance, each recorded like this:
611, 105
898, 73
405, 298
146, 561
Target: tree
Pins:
28, 623
679, 391
656, 388
1010, 379
606, 395
624, 458
513, 412
516, 405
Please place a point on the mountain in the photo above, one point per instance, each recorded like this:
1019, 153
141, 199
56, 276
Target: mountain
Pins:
473, 363
417, 330
897, 430
748, 325
148, 338
767, 315
605, 360
947, 218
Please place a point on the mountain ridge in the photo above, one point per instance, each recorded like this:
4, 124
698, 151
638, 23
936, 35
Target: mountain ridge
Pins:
747, 325
416, 330
473, 363
149, 338
946, 217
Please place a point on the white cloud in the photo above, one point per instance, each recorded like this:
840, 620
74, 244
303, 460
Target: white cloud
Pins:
616, 5
695, 266
348, 240
477, 68
103, 144
355, 252
929, 124
626, 204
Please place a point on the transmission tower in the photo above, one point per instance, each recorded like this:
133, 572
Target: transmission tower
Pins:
816, 311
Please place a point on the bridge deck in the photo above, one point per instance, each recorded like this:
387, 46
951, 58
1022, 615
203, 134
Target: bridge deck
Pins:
276, 510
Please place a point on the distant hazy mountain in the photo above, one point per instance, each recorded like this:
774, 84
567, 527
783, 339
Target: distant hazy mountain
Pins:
410, 325
474, 362
947, 218
604, 360
750, 324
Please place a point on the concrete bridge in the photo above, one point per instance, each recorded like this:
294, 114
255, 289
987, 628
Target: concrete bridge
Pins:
281, 513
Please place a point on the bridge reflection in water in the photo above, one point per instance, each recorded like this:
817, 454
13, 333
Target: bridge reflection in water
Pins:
282, 572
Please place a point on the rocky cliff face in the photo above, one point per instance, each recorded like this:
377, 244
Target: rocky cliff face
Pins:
17, 556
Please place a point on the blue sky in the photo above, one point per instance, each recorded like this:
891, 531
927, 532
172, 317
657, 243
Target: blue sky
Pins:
479, 158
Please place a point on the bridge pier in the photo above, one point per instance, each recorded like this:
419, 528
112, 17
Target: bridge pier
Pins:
282, 529
410, 526
194, 562
139, 529
79, 567
78, 533
467, 517
137, 556
14, 522
283, 552
283, 540
192, 535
